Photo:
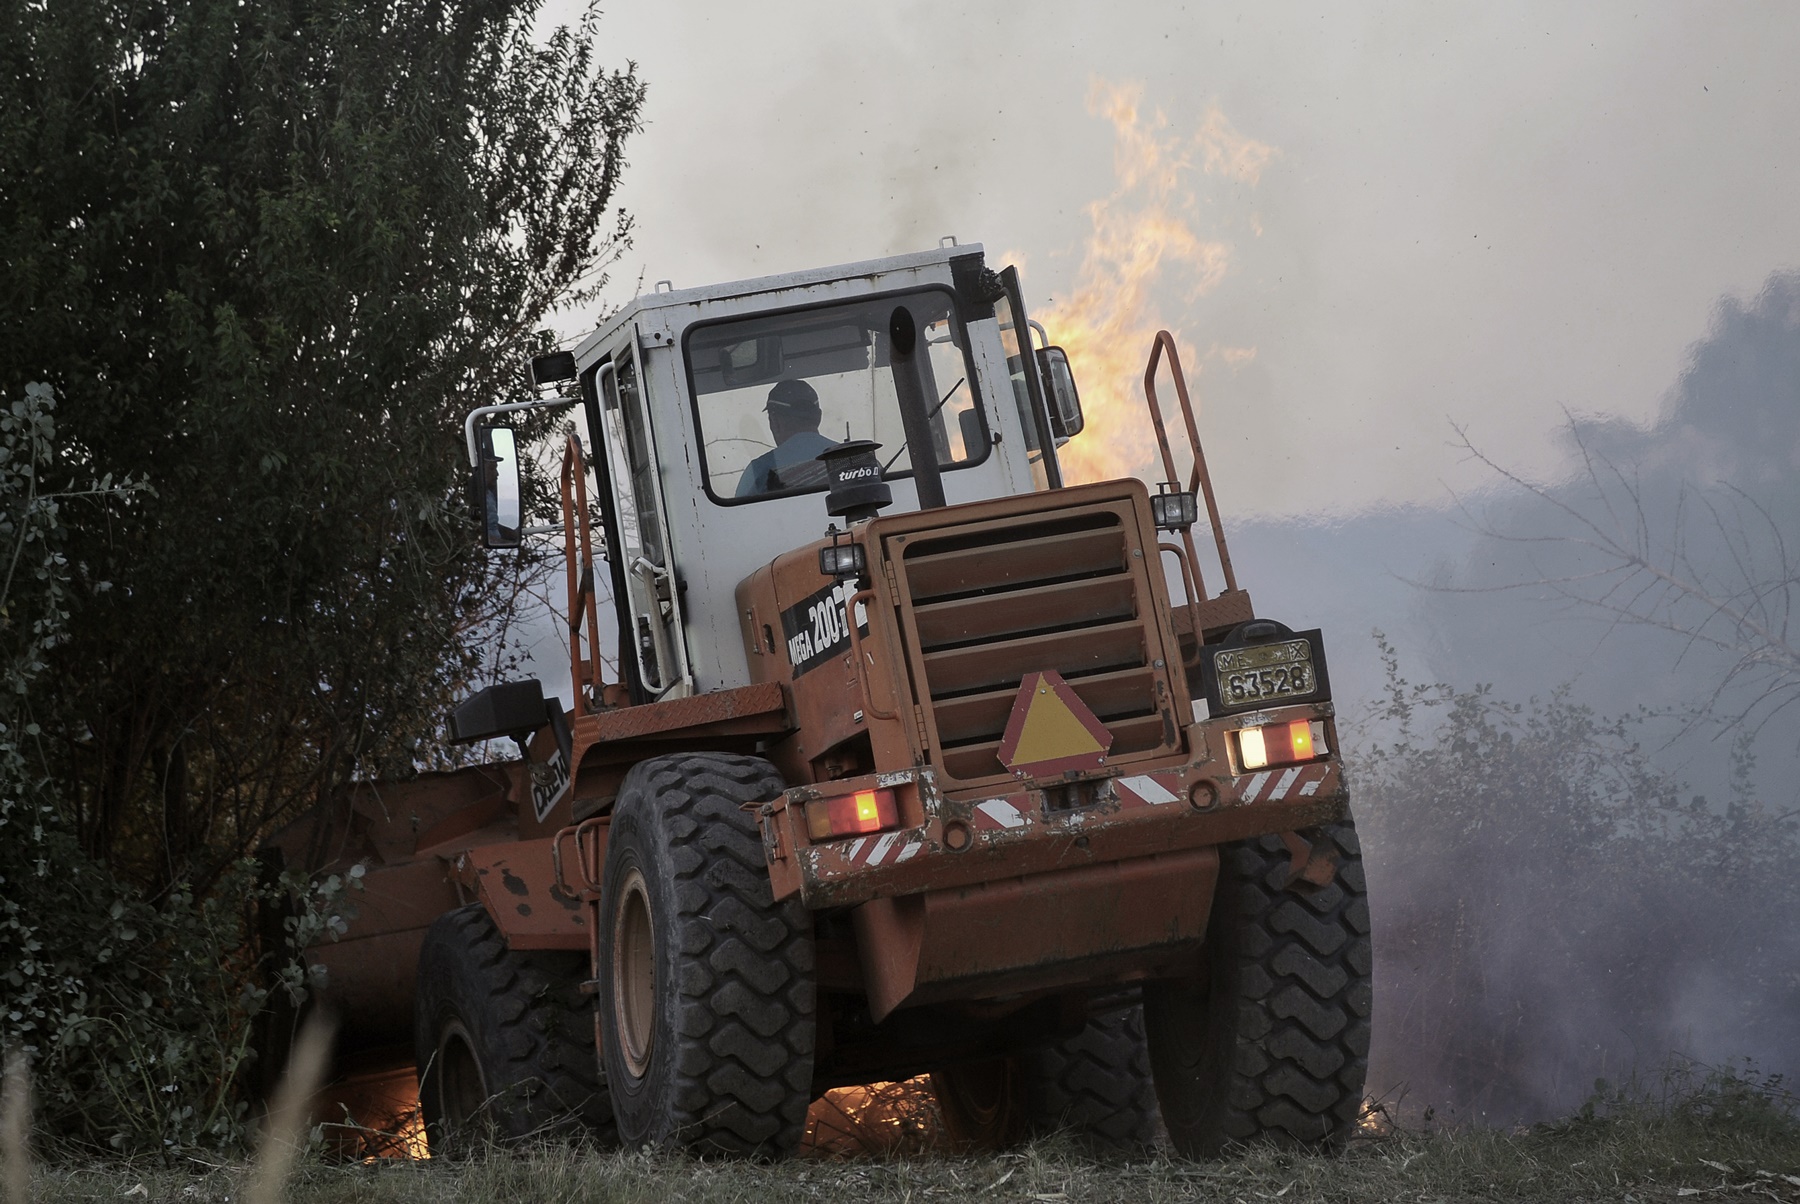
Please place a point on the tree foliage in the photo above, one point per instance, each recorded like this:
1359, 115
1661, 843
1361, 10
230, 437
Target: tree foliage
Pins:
137, 1015
269, 255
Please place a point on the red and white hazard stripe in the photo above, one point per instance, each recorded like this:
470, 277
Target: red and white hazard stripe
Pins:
1293, 782
1148, 790
998, 815
882, 850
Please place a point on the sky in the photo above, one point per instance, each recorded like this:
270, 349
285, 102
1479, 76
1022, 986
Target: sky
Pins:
1367, 226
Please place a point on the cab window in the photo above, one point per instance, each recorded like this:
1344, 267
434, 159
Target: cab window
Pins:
772, 391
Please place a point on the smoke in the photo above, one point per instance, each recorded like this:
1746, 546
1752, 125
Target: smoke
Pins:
1581, 852
1657, 572
1551, 908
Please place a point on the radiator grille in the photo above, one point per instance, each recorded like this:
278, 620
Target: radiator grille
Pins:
989, 605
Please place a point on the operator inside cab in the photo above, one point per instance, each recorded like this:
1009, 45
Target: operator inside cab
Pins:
794, 414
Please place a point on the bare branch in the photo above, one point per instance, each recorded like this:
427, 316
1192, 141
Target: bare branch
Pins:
1716, 573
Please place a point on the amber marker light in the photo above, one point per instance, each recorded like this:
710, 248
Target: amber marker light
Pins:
1281, 744
851, 814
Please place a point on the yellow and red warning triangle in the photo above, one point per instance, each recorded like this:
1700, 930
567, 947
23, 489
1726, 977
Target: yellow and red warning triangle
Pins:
1051, 731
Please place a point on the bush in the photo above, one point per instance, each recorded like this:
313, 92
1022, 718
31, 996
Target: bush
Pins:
1553, 907
135, 1014
1735, 1099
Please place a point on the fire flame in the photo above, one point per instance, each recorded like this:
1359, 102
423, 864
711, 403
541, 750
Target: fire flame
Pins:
409, 1139
374, 1116
874, 1119
1148, 222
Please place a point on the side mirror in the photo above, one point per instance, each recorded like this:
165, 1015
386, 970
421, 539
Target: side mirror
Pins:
1065, 403
495, 487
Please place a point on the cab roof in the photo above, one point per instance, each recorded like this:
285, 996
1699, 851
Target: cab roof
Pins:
645, 302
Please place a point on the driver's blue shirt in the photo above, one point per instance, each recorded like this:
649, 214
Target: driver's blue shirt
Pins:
799, 450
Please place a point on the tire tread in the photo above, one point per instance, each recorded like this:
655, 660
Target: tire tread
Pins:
1293, 965
1096, 1084
745, 997
536, 1027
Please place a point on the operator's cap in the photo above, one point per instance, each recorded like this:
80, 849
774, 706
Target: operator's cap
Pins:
792, 397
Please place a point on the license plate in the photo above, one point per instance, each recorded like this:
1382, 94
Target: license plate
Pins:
1266, 673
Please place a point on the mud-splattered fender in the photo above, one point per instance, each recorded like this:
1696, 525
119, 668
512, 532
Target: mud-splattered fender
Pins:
516, 882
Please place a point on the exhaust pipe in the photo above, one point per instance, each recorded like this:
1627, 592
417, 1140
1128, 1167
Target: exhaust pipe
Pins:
915, 407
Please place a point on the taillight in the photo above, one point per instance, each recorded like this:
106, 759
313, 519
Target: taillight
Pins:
1281, 743
851, 814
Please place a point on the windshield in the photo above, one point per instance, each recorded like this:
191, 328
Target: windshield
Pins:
773, 391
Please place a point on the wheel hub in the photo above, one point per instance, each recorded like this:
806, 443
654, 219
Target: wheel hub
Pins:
462, 1092
634, 974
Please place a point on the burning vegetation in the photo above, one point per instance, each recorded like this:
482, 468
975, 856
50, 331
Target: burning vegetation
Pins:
368, 1116
876, 1119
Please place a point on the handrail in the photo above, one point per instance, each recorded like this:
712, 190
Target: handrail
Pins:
856, 653
1187, 570
480, 412
1200, 480
587, 860
578, 562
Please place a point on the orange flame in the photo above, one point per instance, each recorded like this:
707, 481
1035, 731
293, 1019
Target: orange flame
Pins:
409, 1139
874, 1119
374, 1115
1148, 221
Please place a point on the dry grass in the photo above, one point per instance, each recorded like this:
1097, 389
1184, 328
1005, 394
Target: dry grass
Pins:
1723, 1137
1619, 1158
15, 1129
284, 1136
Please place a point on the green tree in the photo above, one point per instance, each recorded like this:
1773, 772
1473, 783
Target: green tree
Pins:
136, 1016
268, 255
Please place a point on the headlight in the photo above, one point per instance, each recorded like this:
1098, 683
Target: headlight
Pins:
1174, 510
843, 561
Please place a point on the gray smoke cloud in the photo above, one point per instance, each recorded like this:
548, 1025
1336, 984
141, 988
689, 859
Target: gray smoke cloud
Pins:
1581, 846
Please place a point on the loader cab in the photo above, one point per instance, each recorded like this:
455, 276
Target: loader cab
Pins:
707, 408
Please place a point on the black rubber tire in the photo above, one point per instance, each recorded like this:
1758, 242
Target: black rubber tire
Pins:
504, 1041
1272, 1041
1094, 1086
713, 1049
